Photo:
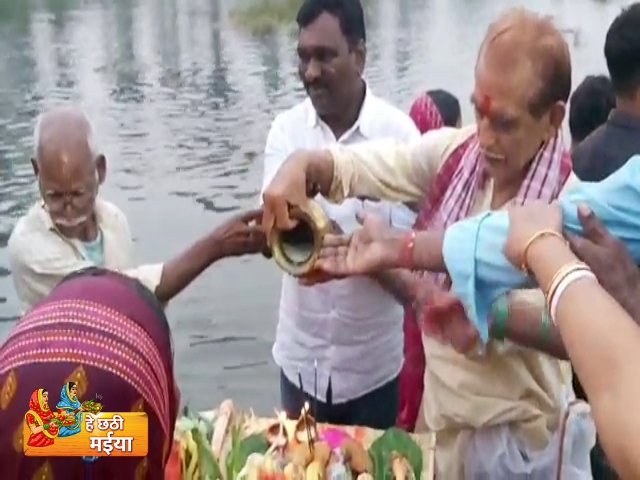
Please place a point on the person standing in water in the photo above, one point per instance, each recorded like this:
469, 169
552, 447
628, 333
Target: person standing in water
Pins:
71, 228
351, 327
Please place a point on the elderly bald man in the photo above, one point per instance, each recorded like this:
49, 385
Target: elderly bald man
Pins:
72, 228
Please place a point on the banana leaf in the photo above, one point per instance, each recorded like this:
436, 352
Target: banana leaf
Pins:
191, 419
232, 466
208, 465
394, 440
201, 431
242, 448
256, 443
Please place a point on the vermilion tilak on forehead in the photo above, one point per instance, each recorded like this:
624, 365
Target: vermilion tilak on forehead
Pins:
484, 104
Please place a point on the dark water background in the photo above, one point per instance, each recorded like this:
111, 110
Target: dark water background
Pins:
182, 100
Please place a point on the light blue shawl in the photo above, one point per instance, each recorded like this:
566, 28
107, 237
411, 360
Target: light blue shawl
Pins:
473, 247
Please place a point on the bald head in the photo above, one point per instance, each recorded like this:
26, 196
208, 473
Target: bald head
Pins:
67, 165
64, 135
64, 147
529, 47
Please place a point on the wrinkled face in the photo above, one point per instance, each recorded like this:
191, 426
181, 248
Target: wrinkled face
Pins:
509, 135
69, 192
328, 65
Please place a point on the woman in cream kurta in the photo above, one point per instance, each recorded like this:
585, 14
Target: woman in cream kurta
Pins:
508, 384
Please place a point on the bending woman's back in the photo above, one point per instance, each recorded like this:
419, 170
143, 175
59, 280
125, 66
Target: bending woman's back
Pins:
108, 334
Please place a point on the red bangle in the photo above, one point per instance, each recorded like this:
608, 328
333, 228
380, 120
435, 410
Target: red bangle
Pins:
406, 250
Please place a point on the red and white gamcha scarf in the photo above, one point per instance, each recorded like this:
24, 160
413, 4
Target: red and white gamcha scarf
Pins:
456, 186
451, 198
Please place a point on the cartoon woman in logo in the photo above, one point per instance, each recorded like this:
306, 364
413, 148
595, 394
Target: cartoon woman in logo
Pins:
70, 407
42, 422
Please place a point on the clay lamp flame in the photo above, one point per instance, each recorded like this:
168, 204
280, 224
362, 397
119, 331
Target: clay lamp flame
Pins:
277, 433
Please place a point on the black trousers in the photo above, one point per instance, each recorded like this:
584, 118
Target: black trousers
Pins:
376, 409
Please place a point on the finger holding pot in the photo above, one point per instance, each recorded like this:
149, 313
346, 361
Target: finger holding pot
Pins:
296, 250
303, 175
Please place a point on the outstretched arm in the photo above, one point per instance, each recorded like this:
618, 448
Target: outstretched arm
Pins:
389, 169
380, 169
38, 272
237, 236
400, 284
470, 251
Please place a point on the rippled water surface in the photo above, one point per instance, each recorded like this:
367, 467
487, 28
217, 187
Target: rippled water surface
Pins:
182, 101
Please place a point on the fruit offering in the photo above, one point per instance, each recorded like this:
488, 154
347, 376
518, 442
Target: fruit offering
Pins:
289, 450
91, 406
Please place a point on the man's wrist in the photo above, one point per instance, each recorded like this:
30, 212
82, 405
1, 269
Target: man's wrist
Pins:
319, 172
498, 318
216, 248
396, 249
312, 174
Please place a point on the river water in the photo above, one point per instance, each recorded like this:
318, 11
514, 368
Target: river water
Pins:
182, 101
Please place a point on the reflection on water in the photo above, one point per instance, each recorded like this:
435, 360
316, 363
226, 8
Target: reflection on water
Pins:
181, 100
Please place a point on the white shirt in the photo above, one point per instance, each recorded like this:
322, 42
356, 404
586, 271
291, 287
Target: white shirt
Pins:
352, 327
40, 256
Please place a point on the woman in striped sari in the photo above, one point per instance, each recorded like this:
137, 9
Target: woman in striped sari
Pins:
109, 335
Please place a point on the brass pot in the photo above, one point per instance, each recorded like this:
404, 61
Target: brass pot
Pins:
296, 251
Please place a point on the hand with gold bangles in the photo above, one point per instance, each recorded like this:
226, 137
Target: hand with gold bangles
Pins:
601, 338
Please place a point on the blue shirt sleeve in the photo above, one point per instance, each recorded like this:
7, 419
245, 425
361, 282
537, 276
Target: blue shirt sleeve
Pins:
473, 247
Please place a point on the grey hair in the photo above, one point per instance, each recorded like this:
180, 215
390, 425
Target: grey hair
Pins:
91, 137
